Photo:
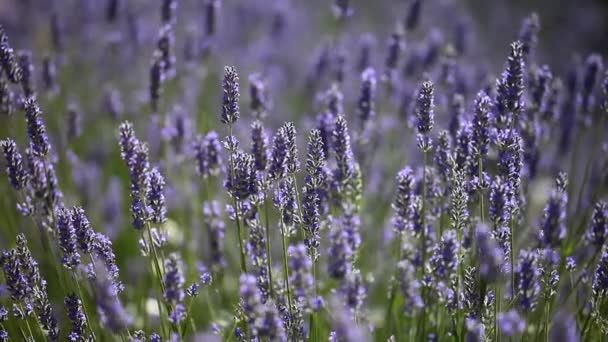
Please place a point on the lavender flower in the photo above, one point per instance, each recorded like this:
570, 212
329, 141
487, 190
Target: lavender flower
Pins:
292, 161
596, 234
300, 266
366, 110
600, 279
263, 319
510, 86
459, 200
14, 165
443, 156
83, 230
165, 46
157, 77
230, 100
553, 225
259, 146
102, 249
111, 313
354, 290
243, 182
259, 97
285, 200
511, 323
216, 230
167, 11
67, 239
396, 45
510, 163
343, 175
155, 197
444, 260
527, 281
174, 287
35, 128
27, 71
6, 98
593, 67
409, 286
528, 34
212, 8
8, 61
342, 9
256, 249
280, 154
340, 253
413, 15
366, 44
489, 255
16, 281
402, 204
207, 152
481, 125
425, 104
76, 315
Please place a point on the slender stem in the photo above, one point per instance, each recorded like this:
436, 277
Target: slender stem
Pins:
512, 255
240, 236
285, 267
588, 319
27, 321
481, 207
159, 278
497, 299
268, 247
423, 240
84, 308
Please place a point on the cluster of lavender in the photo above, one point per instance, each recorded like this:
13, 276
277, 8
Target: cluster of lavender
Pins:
494, 227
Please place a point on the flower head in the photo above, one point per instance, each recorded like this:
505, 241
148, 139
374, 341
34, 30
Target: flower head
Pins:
230, 100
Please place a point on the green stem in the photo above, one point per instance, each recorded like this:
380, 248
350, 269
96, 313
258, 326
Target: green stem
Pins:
268, 247
84, 308
481, 207
512, 252
285, 266
158, 276
423, 241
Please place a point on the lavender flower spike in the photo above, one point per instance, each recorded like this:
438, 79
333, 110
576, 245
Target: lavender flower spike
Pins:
14, 164
207, 151
259, 146
230, 100
425, 104
481, 125
155, 197
174, 288
76, 315
35, 128
527, 281
301, 278
112, 314
598, 230
67, 238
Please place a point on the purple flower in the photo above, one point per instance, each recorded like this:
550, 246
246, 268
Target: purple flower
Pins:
396, 45
553, 224
230, 99
157, 77
259, 146
425, 104
409, 286
600, 279
84, 231
285, 200
402, 204
342, 9
16, 281
481, 125
8, 60
165, 46
510, 87
280, 154
207, 153
354, 290
155, 197
216, 229
563, 327
596, 234
413, 15
511, 323
300, 277
256, 250
263, 319
35, 128
112, 314
174, 287
14, 164
593, 67
443, 156
488, 253
344, 173
527, 285
27, 71
444, 260
366, 109
102, 249
366, 44
340, 252
67, 238
259, 97
75, 312
243, 182
528, 34
167, 11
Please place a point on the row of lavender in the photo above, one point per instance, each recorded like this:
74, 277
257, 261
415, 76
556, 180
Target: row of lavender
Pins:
461, 253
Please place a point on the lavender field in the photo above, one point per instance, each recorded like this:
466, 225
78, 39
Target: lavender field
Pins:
343, 171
